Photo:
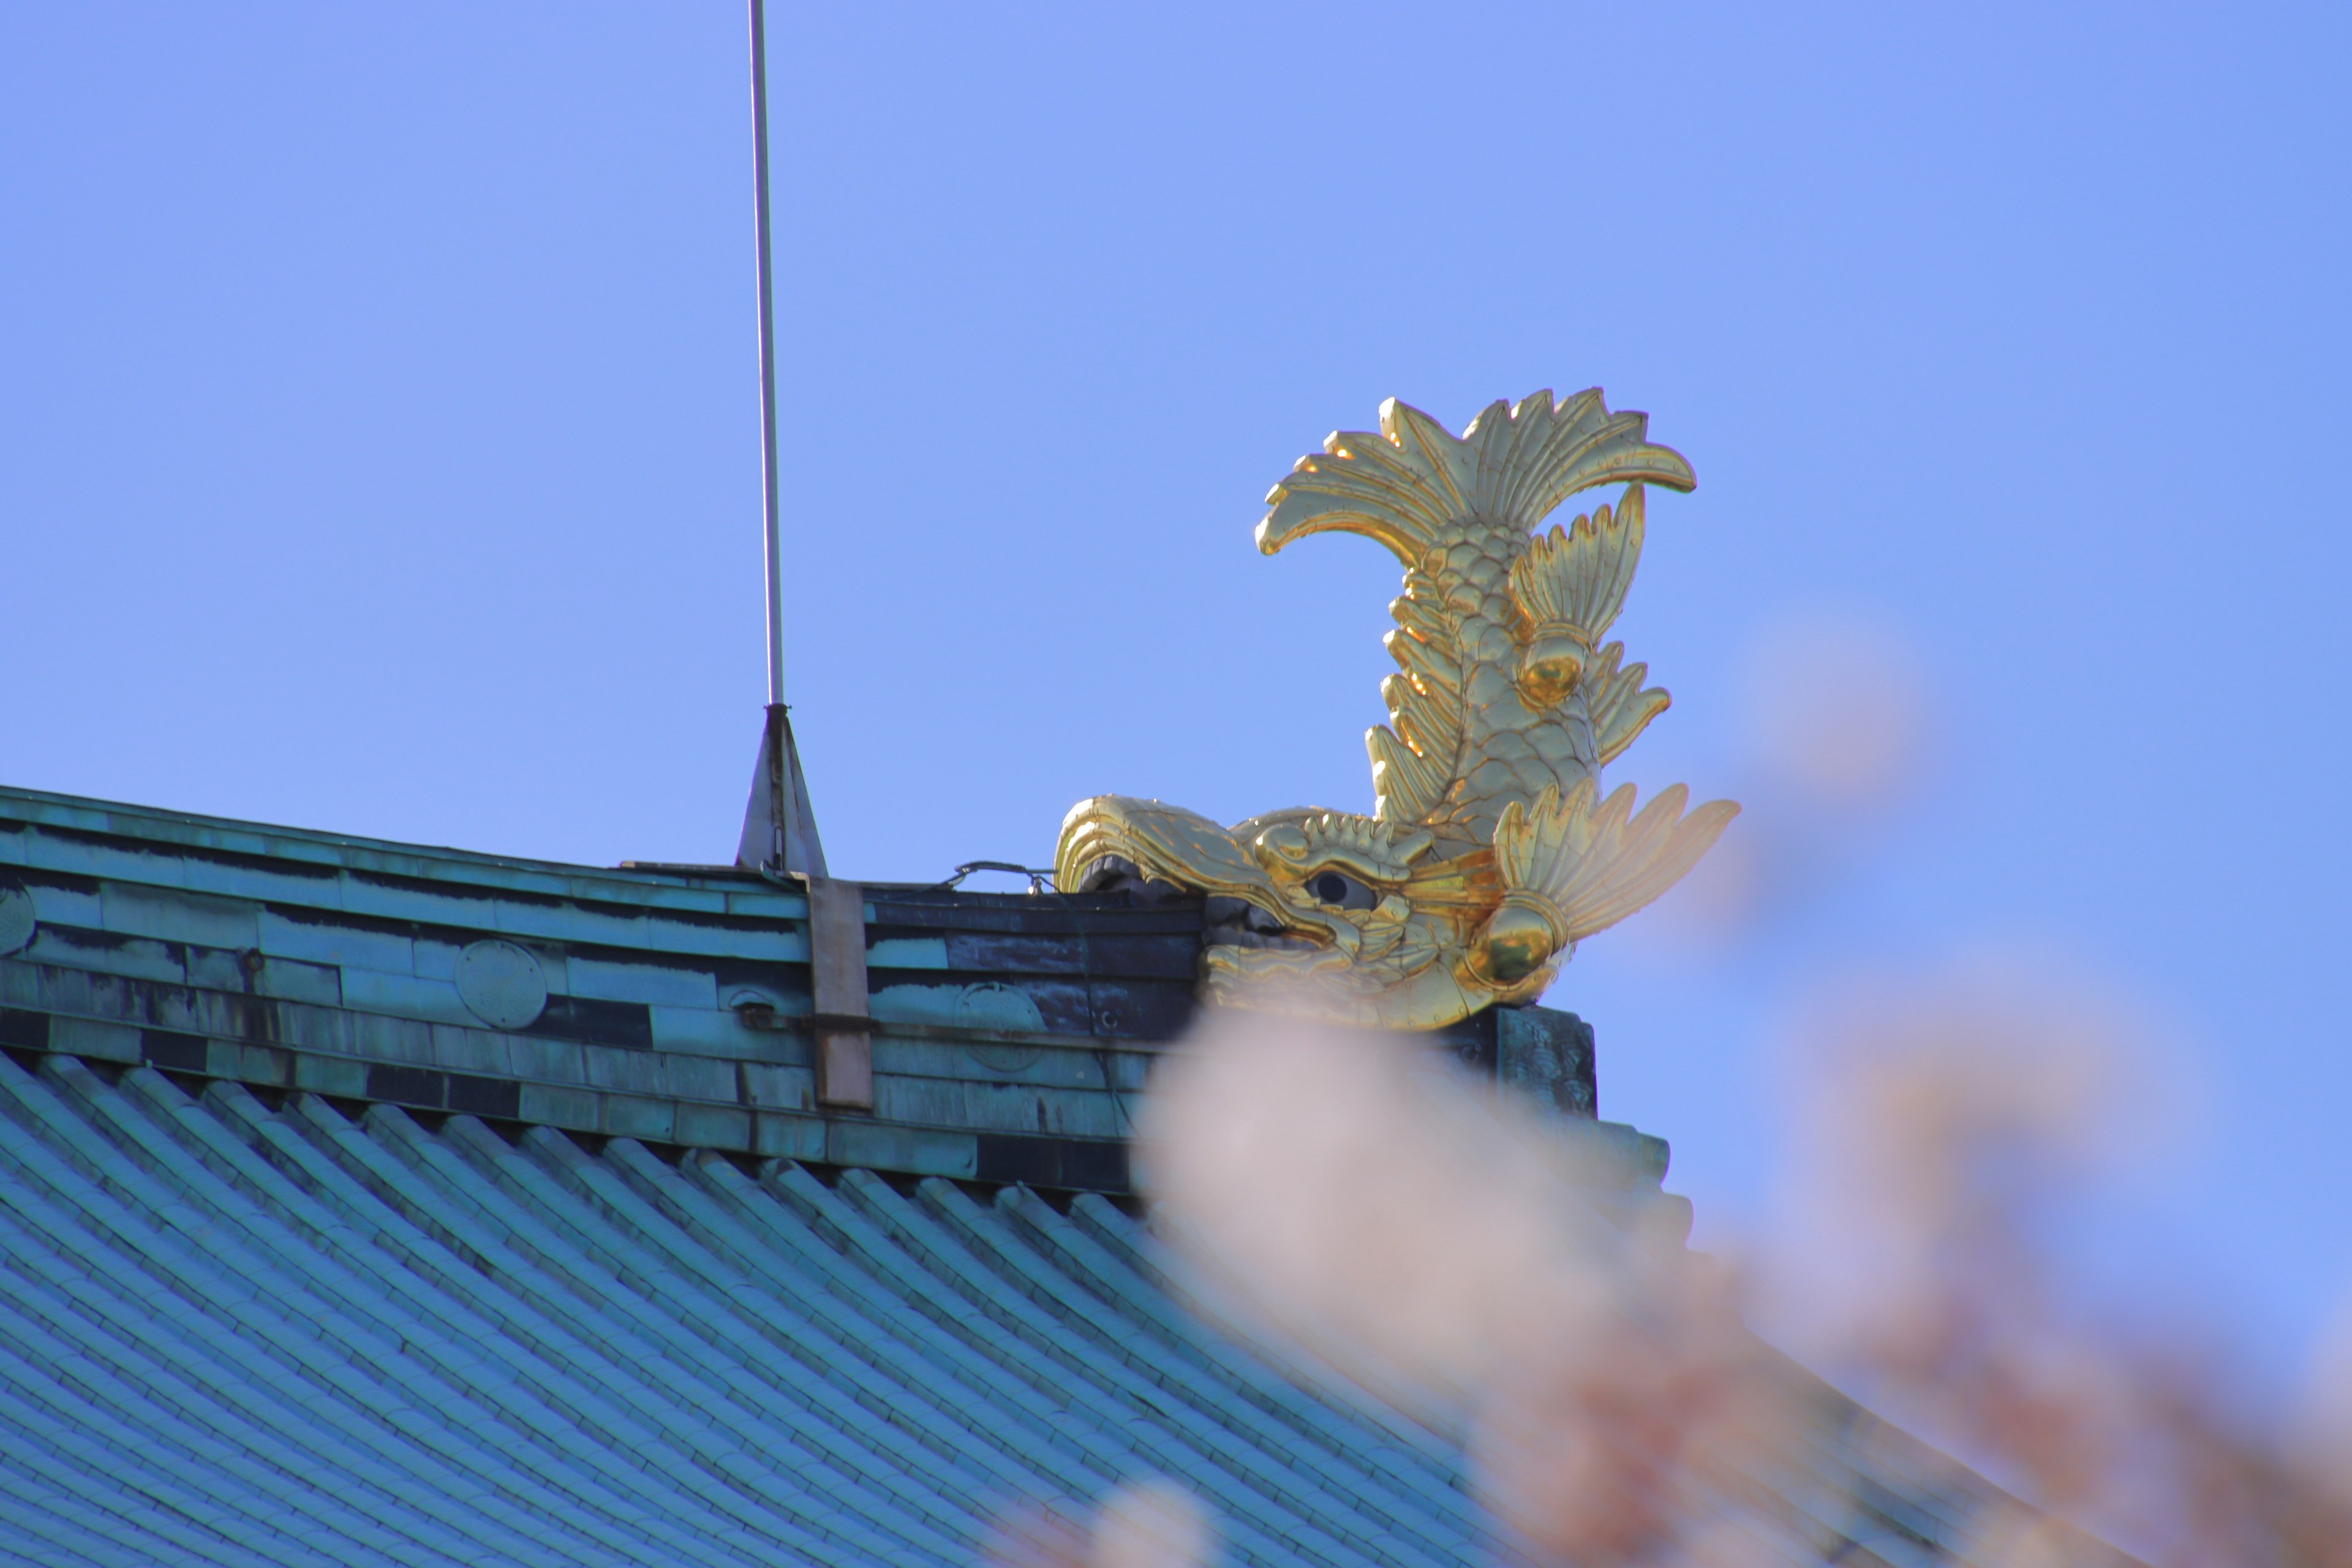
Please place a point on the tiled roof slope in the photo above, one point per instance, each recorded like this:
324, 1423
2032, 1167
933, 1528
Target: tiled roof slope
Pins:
234, 1333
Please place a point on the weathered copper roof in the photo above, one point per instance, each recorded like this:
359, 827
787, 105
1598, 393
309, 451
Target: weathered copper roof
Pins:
241, 1333
317, 1245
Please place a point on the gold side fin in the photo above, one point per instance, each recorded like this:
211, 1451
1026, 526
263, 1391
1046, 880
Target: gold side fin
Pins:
1425, 721
1619, 708
1598, 862
1406, 785
1576, 579
1428, 666
1420, 611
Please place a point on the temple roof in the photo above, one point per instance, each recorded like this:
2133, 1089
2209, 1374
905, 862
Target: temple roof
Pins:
240, 1333
318, 1246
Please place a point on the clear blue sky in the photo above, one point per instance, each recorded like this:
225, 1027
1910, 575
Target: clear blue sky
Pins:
378, 453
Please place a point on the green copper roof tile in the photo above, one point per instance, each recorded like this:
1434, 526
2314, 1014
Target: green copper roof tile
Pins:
246, 1329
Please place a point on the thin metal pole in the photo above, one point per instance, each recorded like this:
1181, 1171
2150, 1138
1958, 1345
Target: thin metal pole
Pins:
775, 543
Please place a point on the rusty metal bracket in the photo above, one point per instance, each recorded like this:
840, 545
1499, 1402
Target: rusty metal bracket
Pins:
843, 1031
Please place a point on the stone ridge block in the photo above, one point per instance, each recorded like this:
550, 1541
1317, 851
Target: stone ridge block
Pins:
299, 884
1062, 1162
214, 968
105, 952
998, 1107
765, 905
713, 1127
92, 1037
464, 1093
467, 909
626, 1025
323, 940
387, 1039
493, 1097
789, 1137
176, 1050
337, 1076
777, 1087
19, 982
291, 980
613, 1066
472, 1050
570, 922
240, 972
407, 997
249, 1063
1049, 1064
914, 1003
654, 985
54, 905
318, 1028
192, 1011
632, 1116
87, 857
907, 953
170, 914
762, 944
706, 1030
546, 1060
696, 1078
759, 1108
577, 1109
920, 1150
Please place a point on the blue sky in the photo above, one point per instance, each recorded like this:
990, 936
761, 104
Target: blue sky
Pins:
378, 452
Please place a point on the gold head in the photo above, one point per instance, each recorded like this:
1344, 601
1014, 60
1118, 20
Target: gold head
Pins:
1490, 851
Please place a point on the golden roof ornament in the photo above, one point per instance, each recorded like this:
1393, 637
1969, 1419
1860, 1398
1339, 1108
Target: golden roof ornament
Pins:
1490, 852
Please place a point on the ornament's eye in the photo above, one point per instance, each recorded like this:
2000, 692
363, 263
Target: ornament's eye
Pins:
1329, 887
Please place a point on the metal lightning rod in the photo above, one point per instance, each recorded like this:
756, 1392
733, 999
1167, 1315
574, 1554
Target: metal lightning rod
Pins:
775, 543
779, 827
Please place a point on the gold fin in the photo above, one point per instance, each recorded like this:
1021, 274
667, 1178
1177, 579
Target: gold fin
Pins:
1406, 785
1413, 486
1575, 579
1426, 666
1599, 862
1620, 709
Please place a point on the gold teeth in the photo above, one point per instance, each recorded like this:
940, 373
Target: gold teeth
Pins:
1373, 849
1366, 836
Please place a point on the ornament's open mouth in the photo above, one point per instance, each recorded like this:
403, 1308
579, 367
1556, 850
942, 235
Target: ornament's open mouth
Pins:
1158, 851
1237, 922
1118, 874
1224, 922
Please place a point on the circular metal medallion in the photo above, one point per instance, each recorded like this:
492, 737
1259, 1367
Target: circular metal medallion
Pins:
1003, 1010
501, 984
16, 921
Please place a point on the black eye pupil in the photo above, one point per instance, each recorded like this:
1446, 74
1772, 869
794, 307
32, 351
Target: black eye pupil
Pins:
1330, 888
